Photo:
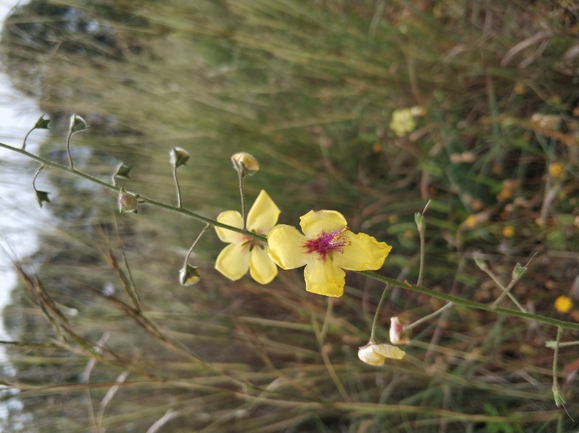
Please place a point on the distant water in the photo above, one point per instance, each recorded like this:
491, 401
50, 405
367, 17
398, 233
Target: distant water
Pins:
20, 216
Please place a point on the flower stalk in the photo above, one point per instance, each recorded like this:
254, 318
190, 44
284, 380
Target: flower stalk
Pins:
142, 199
189, 274
383, 298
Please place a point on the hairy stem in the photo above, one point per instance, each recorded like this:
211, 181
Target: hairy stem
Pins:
470, 304
150, 201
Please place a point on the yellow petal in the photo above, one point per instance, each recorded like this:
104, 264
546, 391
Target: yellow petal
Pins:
261, 267
286, 247
315, 222
263, 214
231, 218
367, 355
233, 261
389, 351
324, 278
376, 354
363, 252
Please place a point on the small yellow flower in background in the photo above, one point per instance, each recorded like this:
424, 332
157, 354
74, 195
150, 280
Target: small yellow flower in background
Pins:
563, 304
471, 221
508, 231
402, 122
376, 354
327, 248
243, 252
556, 169
504, 194
519, 88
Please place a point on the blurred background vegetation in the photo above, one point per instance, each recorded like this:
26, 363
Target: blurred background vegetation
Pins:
309, 88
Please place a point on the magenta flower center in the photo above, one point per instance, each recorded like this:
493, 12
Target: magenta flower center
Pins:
327, 243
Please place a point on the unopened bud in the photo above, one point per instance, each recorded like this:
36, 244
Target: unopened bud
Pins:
479, 261
77, 124
123, 171
179, 157
518, 271
419, 219
189, 275
376, 354
559, 400
244, 163
127, 202
42, 197
396, 330
41, 123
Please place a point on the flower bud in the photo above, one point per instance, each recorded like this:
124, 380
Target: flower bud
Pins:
376, 354
42, 123
419, 219
479, 261
179, 157
518, 271
123, 171
77, 124
189, 275
396, 330
245, 164
42, 197
559, 400
127, 202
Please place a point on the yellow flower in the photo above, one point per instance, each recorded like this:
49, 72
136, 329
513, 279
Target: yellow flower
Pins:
556, 169
402, 122
563, 304
376, 354
327, 248
508, 231
244, 252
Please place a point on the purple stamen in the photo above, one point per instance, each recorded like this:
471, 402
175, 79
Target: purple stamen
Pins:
327, 243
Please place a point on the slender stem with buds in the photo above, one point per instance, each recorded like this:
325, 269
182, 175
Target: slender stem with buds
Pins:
470, 304
143, 199
373, 275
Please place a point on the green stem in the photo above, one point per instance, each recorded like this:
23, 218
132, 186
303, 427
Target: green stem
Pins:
36, 175
506, 290
26, 138
470, 304
68, 151
377, 313
557, 394
426, 318
150, 201
421, 266
241, 177
195, 243
177, 186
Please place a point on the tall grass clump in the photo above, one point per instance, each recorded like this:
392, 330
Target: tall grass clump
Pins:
371, 108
